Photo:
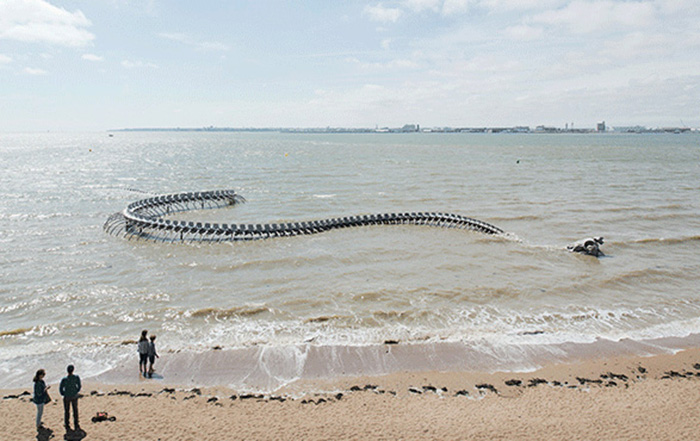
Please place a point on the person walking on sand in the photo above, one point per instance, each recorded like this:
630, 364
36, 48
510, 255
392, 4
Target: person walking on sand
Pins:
70, 387
41, 396
143, 352
152, 355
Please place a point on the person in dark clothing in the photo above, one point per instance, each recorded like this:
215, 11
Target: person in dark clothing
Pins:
41, 395
152, 355
70, 387
143, 352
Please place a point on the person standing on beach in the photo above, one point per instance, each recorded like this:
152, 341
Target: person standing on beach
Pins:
70, 387
143, 352
152, 355
41, 395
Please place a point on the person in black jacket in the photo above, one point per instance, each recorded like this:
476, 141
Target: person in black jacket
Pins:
70, 387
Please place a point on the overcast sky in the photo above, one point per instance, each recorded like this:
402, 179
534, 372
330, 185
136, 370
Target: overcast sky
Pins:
104, 64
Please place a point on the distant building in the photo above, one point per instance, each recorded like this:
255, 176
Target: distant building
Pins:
631, 129
600, 127
545, 129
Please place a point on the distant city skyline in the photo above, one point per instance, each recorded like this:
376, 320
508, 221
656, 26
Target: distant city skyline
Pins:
68, 65
601, 127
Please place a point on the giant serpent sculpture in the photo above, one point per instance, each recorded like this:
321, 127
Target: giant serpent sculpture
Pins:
143, 219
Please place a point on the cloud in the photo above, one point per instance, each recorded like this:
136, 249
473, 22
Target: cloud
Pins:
128, 64
422, 5
451, 7
212, 46
382, 14
205, 46
592, 16
174, 36
397, 64
518, 5
37, 21
4, 59
34, 71
524, 32
92, 57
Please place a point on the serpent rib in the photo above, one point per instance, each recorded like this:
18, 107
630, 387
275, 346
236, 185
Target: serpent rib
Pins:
143, 219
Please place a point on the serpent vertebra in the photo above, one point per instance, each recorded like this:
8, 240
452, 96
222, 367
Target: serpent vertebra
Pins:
143, 220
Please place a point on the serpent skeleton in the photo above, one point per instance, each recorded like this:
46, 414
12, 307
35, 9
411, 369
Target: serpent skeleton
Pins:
143, 219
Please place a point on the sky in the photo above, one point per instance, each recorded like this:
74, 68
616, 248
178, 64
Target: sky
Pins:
90, 65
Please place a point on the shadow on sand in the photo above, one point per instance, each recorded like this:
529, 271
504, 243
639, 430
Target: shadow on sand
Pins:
74, 435
44, 434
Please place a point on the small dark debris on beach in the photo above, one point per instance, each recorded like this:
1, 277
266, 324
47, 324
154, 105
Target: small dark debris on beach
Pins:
168, 390
144, 394
674, 374
196, 391
355, 389
233, 397
12, 397
696, 366
415, 390
120, 392
536, 382
212, 400
189, 397
610, 384
391, 342
487, 387
462, 392
585, 381
280, 399
513, 382
370, 386
217, 348
338, 396
430, 388
612, 376
642, 370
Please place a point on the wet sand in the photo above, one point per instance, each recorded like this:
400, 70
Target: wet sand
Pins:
622, 398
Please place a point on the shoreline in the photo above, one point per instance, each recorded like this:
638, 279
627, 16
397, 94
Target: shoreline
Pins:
266, 369
609, 397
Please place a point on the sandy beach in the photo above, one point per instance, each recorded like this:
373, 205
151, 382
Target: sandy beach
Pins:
624, 398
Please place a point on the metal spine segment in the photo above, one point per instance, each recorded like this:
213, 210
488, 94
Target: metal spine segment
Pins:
143, 219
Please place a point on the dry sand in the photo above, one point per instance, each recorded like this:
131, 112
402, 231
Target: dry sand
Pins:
630, 398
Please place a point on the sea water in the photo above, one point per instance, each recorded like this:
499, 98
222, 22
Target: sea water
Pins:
71, 293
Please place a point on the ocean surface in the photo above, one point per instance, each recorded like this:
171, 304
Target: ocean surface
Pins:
71, 293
